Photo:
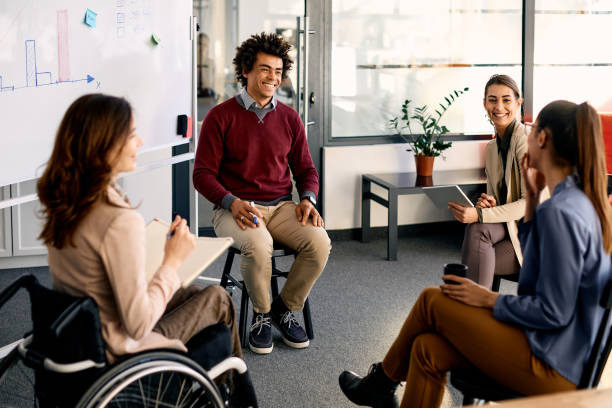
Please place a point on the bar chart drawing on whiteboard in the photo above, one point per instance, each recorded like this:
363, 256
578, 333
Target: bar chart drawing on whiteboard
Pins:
35, 76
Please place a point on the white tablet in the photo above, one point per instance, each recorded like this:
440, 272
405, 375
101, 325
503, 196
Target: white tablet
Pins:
442, 195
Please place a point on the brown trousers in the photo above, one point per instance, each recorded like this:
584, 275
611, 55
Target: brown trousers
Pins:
192, 309
440, 334
488, 251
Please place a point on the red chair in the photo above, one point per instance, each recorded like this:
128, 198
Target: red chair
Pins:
606, 128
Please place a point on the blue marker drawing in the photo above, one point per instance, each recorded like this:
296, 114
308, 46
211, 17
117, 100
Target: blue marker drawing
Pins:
35, 78
2, 87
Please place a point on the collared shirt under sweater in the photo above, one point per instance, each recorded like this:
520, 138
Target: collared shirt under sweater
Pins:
242, 154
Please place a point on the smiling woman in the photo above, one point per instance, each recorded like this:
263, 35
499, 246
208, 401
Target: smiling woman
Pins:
124, 157
490, 244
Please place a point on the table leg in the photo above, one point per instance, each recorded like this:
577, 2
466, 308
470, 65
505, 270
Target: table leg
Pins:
365, 209
392, 226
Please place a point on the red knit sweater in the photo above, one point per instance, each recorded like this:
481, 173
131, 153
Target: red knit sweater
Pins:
237, 154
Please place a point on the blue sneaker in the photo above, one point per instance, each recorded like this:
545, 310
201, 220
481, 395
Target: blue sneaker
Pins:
260, 334
284, 320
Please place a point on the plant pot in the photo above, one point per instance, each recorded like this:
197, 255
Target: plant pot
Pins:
424, 165
424, 181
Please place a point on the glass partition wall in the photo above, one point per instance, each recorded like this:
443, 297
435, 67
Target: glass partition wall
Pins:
224, 25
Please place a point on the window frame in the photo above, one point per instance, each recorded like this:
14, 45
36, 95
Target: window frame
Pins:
528, 18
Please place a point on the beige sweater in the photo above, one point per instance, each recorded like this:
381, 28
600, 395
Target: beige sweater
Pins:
108, 264
514, 209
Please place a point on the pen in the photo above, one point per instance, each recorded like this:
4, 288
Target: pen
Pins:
255, 220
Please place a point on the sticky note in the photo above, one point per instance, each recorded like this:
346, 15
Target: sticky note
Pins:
90, 18
155, 38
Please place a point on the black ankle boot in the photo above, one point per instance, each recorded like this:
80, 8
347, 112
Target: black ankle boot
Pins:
374, 390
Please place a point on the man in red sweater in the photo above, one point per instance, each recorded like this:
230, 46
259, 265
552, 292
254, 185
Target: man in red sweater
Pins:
249, 147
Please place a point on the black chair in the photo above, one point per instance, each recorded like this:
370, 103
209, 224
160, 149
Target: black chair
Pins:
229, 282
514, 277
475, 385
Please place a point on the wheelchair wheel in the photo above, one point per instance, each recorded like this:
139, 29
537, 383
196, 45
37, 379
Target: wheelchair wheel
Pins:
153, 379
16, 383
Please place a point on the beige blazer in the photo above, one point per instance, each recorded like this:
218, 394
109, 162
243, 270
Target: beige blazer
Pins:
107, 263
514, 209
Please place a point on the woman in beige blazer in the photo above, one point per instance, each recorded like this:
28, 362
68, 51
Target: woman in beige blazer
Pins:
96, 241
490, 244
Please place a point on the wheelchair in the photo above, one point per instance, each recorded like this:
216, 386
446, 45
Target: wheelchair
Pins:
62, 363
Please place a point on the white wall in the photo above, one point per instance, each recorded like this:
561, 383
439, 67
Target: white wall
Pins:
152, 189
343, 167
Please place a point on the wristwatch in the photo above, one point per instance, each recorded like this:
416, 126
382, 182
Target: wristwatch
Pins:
311, 199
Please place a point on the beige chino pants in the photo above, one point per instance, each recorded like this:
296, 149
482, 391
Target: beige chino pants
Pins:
279, 224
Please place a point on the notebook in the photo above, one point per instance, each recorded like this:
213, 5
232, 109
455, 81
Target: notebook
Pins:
442, 195
205, 252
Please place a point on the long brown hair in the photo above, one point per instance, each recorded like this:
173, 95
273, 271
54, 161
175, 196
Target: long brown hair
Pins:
78, 171
501, 79
578, 141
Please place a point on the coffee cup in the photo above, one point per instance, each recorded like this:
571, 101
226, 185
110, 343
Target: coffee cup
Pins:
456, 269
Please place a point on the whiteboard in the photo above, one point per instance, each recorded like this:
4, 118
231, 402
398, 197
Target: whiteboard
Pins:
49, 56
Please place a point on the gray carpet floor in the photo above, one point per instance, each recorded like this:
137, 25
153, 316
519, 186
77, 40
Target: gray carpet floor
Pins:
358, 306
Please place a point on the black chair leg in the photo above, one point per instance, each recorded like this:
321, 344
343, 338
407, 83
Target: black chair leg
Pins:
227, 269
308, 320
244, 314
496, 282
274, 285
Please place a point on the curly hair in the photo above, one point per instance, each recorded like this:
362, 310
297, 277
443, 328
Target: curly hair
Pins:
267, 43
78, 171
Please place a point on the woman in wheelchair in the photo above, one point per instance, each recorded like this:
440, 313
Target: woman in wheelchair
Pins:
95, 241
537, 341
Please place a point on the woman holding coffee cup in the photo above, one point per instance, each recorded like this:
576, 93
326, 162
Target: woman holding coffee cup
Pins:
490, 243
522, 341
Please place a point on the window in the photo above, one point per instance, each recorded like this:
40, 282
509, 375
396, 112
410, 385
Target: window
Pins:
572, 52
401, 50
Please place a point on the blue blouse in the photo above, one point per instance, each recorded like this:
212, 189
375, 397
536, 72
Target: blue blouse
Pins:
564, 272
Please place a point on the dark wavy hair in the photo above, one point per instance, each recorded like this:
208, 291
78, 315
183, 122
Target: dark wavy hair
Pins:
78, 171
577, 139
267, 43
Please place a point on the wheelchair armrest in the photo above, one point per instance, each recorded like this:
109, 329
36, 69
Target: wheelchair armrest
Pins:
231, 363
35, 360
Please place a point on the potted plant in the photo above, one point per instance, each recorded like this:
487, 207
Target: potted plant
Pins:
426, 145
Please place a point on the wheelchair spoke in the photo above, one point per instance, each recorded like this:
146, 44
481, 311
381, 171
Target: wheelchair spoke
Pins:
142, 397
